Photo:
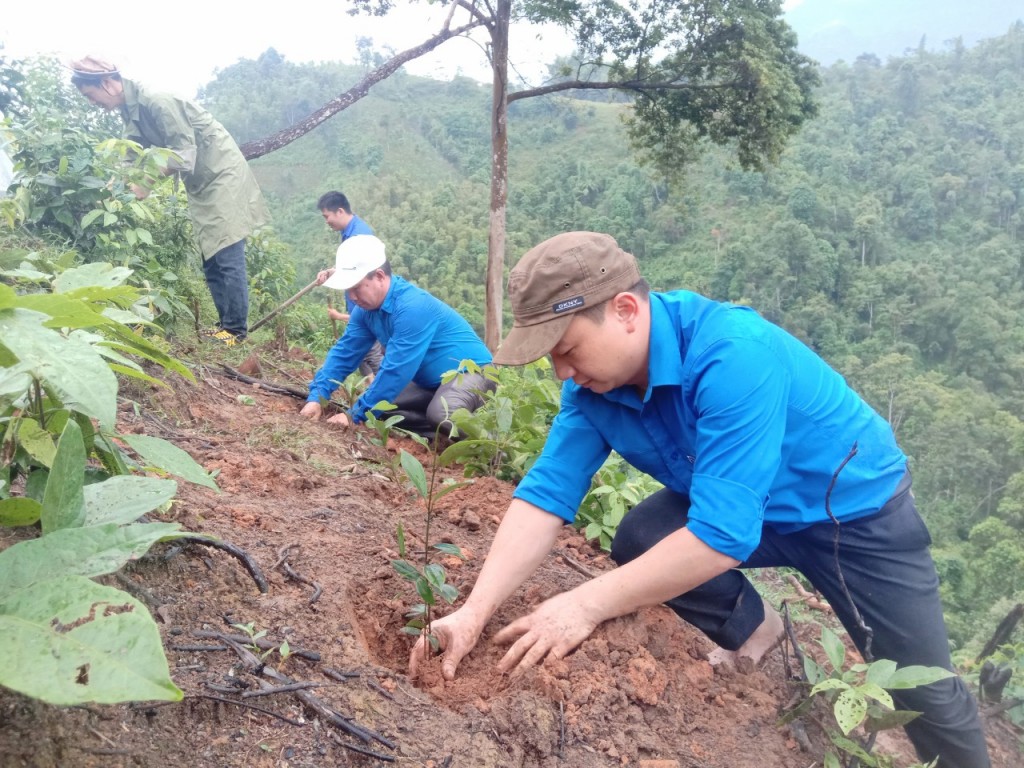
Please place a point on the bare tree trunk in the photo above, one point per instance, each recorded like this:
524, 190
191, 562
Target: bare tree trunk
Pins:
494, 285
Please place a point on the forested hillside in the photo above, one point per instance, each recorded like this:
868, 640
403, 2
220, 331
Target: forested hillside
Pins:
889, 238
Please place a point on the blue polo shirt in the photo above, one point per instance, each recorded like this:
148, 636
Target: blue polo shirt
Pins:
423, 339
738, 415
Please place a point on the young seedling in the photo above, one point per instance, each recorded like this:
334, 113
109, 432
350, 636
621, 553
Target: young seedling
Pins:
859, 694
429, 579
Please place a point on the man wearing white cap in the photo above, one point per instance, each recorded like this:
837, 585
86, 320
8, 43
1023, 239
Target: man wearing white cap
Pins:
768, 459
423, 339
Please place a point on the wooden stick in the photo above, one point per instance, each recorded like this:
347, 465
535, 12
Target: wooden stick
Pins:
285, 305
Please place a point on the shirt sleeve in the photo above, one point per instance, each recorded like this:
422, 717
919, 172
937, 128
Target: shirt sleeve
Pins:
343, 358
176, 131
414, 324
742, 392
573, 452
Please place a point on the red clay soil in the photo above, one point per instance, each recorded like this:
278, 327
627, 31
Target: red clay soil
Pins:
326, 504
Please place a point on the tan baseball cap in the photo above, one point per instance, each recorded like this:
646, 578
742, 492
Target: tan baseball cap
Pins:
357, 257
556, 279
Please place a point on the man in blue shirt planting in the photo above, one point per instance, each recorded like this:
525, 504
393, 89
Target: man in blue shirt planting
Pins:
423, 339
766, 455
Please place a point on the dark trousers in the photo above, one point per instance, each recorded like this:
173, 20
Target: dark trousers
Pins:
424, 411
229, 287
891, 577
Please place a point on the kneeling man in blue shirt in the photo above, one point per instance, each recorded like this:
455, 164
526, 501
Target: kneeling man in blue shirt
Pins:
423, 338
766, 455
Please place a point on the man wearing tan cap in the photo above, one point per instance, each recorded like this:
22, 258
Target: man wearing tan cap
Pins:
765, 453
423, 338
224, 200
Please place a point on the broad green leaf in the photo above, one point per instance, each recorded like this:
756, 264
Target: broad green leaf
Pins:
135, 344
425, 592
850, 709
414, 470
64, 311
63, 501
124, 499
891, 719
169, 458
434, 574
71, 368
853, 748
96, 273
830, 684
37, 441
19, 511
405, 569
90, 217
91, 551
69, 640
834, 648
449, 549
449, 593
880, 672
831, 761
446, 489
913, 676
877, 693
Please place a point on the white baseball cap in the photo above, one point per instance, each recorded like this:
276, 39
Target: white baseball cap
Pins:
357, 257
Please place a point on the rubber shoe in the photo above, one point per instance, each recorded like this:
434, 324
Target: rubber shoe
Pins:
209, 333
227, 338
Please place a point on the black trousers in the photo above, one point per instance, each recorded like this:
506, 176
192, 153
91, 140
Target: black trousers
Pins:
891, 577
424, 411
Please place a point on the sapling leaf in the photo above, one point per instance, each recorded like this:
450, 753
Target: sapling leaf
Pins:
853, 748
414, 470
434, 574
406, 570
914, 676
880, 672
19, 511
169, 458
449, 549
850, 709
883, 721
400, 535
448, 593
63, 500
445, 490
425, 591
880, 695
834, 648
830, 684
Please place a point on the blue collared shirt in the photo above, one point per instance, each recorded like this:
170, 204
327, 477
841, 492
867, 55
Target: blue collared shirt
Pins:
738, 415
423, 339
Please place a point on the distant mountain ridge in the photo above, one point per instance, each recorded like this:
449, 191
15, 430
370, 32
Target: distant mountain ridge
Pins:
830, 30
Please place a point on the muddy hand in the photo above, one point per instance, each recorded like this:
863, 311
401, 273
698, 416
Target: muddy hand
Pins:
456, 634
554, 629
312, 411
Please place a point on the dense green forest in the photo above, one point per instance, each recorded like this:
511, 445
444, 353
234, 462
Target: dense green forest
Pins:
889, 237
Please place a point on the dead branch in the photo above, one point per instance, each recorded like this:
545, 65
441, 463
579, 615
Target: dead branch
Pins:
278, 389
361, 750
231, 549
224, 700
576, 566
282, 562
283, 689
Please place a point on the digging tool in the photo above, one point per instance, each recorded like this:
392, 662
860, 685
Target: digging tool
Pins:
285, 305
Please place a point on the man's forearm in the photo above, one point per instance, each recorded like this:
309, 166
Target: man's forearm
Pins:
523, 540
675, 565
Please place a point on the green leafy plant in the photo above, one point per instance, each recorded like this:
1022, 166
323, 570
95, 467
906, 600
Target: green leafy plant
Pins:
66, 638
429, 579
616, 489
503, 437
858, 695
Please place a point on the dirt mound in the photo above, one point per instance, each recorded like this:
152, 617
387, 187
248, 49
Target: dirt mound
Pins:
317, 510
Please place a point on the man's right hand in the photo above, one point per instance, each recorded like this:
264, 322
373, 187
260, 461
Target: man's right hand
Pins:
457, 635
312, 411
323, 274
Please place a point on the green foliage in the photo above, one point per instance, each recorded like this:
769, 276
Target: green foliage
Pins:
615, 490
859, 695
67, 639
503, 437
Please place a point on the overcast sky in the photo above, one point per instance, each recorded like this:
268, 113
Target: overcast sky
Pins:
180, 49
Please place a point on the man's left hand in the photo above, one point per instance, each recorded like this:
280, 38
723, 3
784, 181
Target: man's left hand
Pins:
554, 629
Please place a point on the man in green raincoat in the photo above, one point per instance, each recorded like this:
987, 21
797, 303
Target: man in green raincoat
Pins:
224, 199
